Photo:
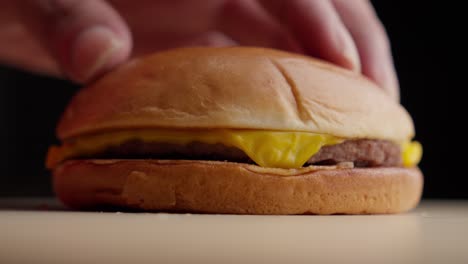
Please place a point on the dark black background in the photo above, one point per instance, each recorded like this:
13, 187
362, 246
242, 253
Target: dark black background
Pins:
429, 56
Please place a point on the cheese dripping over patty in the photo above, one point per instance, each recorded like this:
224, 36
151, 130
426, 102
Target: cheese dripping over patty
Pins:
278, 149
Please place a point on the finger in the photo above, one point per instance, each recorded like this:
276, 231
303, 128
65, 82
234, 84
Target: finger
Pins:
248, 23
213, 39
19, 49
85, 37
372, 43
318, 27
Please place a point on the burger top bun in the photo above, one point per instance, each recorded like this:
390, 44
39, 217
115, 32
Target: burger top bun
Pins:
236, 87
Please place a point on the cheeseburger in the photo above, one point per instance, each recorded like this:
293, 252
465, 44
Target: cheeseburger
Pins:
236, 130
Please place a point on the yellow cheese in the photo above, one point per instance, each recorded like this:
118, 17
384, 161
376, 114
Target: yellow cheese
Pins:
266, 148
411, 153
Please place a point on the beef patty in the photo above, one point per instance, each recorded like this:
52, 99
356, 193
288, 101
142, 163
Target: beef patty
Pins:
362, 152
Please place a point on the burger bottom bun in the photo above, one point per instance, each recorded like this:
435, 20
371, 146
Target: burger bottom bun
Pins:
235, 188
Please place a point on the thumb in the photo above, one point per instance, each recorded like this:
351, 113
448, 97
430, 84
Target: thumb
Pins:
84, 37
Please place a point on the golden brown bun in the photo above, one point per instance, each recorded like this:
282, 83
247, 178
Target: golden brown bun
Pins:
236, 87
225, 187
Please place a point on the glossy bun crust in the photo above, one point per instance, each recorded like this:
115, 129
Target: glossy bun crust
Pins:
236, 87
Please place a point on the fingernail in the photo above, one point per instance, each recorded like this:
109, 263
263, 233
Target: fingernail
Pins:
94, 50
350, 53
387, 78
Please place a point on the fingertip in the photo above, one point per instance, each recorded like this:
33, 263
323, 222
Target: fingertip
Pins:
96, 49
386, 78
321, 32
84, 37
291, 44
213, 39
347, 54
372, 43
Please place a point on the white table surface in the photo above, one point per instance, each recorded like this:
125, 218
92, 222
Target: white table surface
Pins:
41, 231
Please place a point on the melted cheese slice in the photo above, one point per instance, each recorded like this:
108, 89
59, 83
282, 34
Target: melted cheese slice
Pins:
411, 153
266, 148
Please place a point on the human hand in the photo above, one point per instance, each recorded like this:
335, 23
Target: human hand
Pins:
82, 39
